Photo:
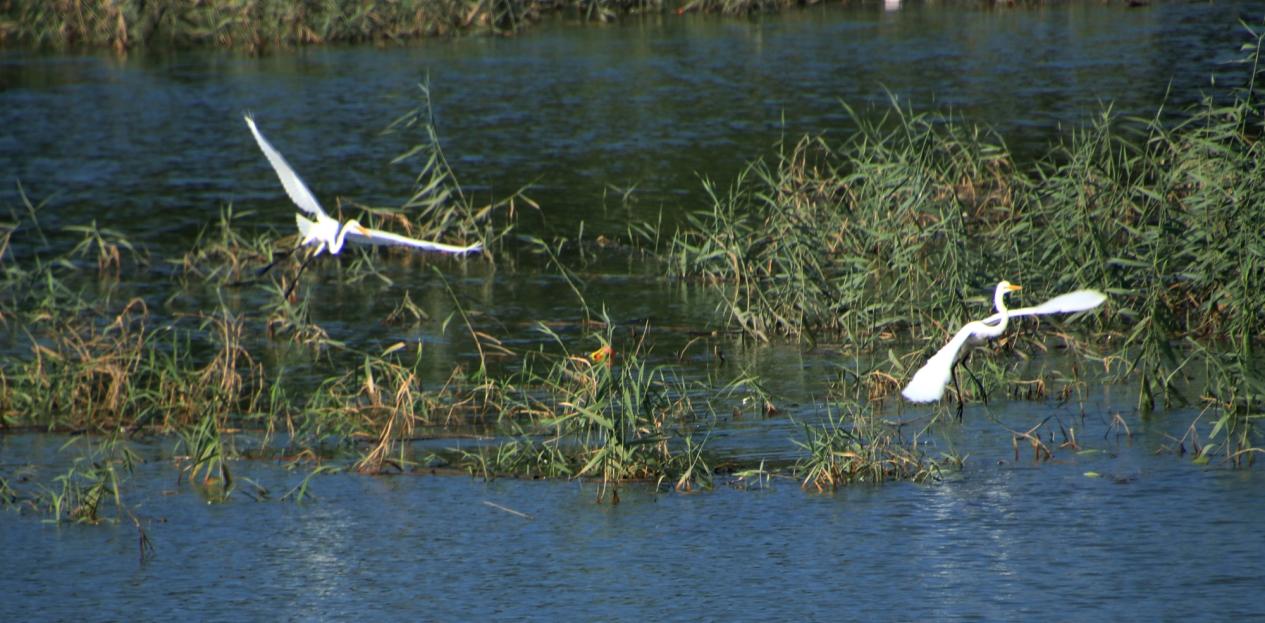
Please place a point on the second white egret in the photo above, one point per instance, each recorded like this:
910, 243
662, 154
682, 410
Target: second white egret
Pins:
929, 381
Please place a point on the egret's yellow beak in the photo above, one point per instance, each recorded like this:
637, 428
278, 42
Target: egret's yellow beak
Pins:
1014, 287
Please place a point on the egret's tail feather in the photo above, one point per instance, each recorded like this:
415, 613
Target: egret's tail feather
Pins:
305, 227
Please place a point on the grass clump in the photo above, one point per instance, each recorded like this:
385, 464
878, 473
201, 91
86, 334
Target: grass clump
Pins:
856, 446
587, 417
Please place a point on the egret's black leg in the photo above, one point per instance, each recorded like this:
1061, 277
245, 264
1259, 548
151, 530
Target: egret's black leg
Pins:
953, 373
277, 257
302, 267
978, 384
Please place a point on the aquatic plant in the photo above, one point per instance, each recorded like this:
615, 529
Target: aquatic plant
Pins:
208, 457
260, 25
894, 230
94, 479
855, 445
221, 253
106, 245
438, 204
255, 25
587, 418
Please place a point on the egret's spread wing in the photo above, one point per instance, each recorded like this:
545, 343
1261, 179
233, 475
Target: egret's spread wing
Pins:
294, 186
1071, 302
928, 383
379, 237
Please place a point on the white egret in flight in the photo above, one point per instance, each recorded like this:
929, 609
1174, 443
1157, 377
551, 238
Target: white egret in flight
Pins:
929, 381
325, 231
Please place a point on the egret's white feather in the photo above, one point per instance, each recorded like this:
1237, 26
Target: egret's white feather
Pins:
928, 383
1072, 302
305, 227
386, 238
294, 186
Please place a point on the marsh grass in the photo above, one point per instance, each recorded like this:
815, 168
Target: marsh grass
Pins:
438, 205
222, 254
578, 417
207, 457
106, 246
897, 231
261, 25
254, 25
93, 482
855, 445
885, 241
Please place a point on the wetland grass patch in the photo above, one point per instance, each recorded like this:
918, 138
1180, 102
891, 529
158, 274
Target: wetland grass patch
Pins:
856, 445
261, 25
891, 234
883, 241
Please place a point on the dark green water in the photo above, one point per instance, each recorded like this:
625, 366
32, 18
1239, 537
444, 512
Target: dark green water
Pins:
155, 147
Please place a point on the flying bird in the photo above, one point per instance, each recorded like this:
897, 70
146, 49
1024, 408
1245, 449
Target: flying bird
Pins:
928, 383
327, 233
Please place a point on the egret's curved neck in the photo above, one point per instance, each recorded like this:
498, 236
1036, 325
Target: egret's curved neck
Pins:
1003, 318
999, 299
341, 238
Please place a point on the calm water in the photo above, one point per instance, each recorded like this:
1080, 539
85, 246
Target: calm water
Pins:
155, 146
1151, 539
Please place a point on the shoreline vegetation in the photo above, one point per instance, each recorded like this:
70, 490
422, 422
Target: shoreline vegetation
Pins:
259, 25
880, 241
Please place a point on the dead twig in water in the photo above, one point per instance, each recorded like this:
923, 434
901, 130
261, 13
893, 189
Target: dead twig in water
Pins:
508, 510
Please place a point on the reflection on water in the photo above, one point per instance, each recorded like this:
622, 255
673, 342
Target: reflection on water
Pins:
155, 147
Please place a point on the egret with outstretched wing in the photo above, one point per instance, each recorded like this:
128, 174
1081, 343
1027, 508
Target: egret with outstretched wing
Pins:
325, 231
929, 381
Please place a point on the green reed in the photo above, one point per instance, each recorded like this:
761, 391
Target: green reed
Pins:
855, 445
899, 229
260, 25
221, 253
94, 480
252, 25
575, 417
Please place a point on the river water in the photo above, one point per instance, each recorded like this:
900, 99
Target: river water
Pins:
154, 146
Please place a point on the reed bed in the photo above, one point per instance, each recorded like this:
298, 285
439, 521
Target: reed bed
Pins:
254, 25
910, 220
886, 241
109, 366
896, 231
259, 25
